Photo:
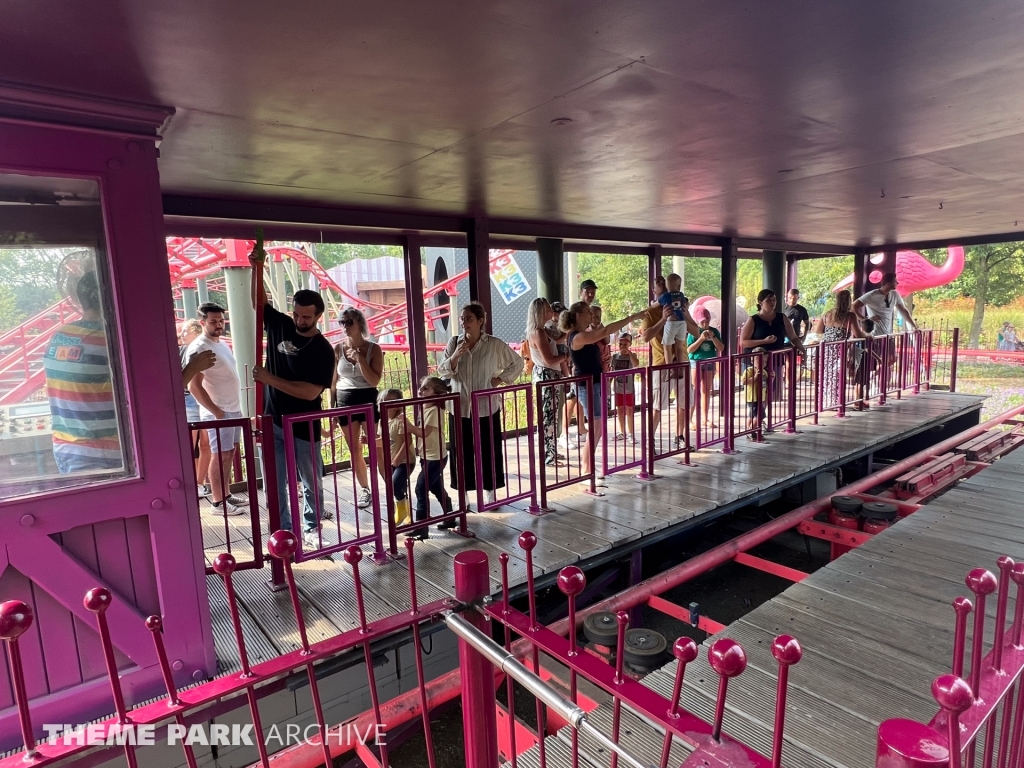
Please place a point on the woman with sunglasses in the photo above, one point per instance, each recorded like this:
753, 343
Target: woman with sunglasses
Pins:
359, 365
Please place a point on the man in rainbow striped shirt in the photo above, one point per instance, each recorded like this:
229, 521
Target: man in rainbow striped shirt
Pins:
78, 383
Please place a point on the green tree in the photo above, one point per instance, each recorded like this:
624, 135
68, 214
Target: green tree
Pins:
30, 275
10, 315
622, 282
333, 254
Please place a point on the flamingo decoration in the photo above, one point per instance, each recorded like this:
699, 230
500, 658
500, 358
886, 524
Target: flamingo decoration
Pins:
915, 272
714, 306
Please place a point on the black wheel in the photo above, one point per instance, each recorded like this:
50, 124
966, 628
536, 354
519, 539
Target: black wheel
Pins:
644, 647
601, 628
879, 510
849, 505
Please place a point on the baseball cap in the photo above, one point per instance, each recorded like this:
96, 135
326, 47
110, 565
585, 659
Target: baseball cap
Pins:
588, 284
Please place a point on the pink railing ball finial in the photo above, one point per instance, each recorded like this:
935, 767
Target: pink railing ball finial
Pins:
786, 650
571, 580
527, 541
224, 564
352, 555
97, 600
1017, 576
282, 545
728, 659
955, 697
154, 623
685, 649
15, 619
981, 582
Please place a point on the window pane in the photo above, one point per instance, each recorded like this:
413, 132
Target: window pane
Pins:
60, 423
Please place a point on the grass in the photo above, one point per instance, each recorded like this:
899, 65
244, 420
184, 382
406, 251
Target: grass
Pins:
958, 313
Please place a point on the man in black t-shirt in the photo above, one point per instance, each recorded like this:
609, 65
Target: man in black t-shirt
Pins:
299, 366
797, 313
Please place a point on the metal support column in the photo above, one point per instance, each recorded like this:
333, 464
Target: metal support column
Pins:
860, 272
243, 331
415, 309
679, 267
728, 328
479, 719
202, 291
792, 272
572, 273
478, 251
773, 273
190, 302
653, 269
550, 273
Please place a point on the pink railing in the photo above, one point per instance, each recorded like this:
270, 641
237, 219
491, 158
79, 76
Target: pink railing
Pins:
749, 415
714, 424
336, 500
623, 400
669, 395
979, 711
428, 501
781, 402
709, 740
509, 412
572, 471
242, 470
807, 392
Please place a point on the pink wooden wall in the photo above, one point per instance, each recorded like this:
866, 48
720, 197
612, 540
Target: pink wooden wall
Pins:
140, 537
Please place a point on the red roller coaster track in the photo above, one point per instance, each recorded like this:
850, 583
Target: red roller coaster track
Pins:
190, 259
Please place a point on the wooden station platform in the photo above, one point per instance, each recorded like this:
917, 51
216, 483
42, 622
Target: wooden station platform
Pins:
583, 529
876, 626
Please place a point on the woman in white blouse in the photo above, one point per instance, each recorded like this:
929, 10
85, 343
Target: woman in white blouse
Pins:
472, 362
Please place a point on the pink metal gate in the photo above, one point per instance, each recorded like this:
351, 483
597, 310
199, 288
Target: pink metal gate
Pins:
514, 408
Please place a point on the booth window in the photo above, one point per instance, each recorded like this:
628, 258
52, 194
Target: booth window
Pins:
61, 391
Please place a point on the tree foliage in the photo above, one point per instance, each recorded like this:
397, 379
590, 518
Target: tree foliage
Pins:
332, 254
28, 277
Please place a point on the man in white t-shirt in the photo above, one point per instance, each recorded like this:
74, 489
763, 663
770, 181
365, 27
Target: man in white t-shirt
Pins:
217, 390
881, 304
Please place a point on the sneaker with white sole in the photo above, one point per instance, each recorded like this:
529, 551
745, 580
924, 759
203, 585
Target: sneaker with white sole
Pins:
203, 491
310, 541
227, 508
365, 498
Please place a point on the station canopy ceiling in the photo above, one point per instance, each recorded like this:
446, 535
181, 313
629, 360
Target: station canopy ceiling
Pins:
836, 122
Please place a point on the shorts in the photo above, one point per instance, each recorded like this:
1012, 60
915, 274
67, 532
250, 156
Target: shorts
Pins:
229, 436
590, 398
755, 410
625, 399
191, 408
349, 397
675, 330
664, 387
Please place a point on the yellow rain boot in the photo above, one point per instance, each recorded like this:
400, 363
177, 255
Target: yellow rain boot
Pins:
401, 511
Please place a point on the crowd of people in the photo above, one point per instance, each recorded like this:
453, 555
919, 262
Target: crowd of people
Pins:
574, 342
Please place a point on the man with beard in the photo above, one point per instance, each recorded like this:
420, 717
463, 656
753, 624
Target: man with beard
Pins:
300, 366
217, 390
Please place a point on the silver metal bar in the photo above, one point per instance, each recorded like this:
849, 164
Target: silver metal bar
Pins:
511, 666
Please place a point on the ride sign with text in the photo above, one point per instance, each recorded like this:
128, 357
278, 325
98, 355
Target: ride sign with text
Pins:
508, 278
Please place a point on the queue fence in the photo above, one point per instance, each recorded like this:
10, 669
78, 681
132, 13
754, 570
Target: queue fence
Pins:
713, 423
620, 448
501, 416
573, 469
670, 399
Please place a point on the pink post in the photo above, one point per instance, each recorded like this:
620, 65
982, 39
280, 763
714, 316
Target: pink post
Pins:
571, 582
622, 619
428, 737
15, 619
479, 721
155, 625
1005, 566
728, 659
954, 355
954, 696
961, 607
982, 583
727, 403
787, 652
909, 744
97, 600
794, 371
527, 542
685, 651
1017, 574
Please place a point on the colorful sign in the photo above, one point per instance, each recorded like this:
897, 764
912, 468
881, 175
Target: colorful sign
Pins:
508, 278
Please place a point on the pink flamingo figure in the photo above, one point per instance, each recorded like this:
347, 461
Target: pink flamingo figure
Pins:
915, 272
714, 306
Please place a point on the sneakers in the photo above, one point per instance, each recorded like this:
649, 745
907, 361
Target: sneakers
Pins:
632, 439
310, 541
203, 491
365, 498
227, 508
